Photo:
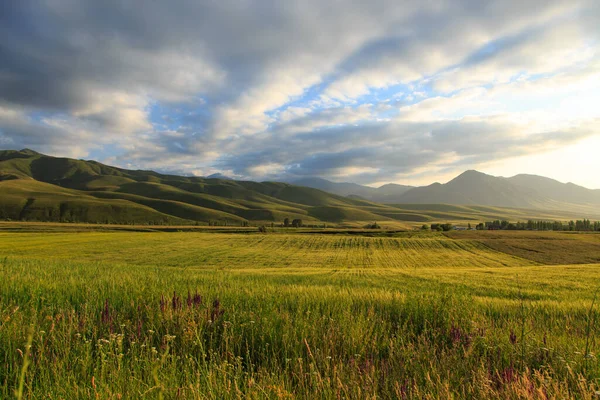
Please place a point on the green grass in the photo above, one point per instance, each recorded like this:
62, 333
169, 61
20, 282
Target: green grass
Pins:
299, 316
542, 247
38, 201
465, 214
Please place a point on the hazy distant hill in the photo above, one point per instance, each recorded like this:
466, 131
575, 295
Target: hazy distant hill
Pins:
521, 191
476, 188
389, 193
550, 188
219, 176
37, 187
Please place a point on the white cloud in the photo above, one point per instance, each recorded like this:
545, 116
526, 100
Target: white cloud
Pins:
301, 87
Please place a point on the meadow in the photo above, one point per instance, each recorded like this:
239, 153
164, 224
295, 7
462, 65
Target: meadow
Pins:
218, 315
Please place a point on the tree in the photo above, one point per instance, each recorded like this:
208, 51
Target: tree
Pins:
447, 227
297, 223
286, 222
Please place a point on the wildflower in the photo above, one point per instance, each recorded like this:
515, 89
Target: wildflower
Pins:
106, 316
169, 338
176, 302
163, 304
513, 338
193, 301
217, 311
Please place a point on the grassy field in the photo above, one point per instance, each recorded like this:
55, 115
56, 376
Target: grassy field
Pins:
131, 315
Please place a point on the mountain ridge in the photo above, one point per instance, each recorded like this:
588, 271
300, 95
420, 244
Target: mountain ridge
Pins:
34, 186
56, 188
472, 188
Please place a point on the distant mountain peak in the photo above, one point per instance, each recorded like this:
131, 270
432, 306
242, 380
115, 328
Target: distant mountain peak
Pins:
29, 151
389, 193
471, 176
220, 176
471, 173
394, 185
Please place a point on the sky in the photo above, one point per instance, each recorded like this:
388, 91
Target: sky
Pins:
370, 92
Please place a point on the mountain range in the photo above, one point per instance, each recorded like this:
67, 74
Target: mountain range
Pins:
38, 187
389, 193
474, 188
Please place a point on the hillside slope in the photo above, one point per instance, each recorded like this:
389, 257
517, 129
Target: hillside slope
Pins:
37, 187
521, 191
389, 193
34, 186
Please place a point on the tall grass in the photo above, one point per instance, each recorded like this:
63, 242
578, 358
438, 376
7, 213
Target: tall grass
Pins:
119, 330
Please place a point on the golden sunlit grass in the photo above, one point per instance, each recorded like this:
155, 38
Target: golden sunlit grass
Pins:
223, 315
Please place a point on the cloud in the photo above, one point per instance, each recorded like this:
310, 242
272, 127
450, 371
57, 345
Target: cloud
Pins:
383, 151
52, 135
266, 89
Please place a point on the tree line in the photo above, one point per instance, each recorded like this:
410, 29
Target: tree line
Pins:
584, 225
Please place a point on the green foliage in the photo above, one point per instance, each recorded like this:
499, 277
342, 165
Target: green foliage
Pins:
584, 225
442, 227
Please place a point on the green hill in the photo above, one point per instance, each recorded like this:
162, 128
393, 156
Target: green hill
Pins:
37, 187
32, 200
